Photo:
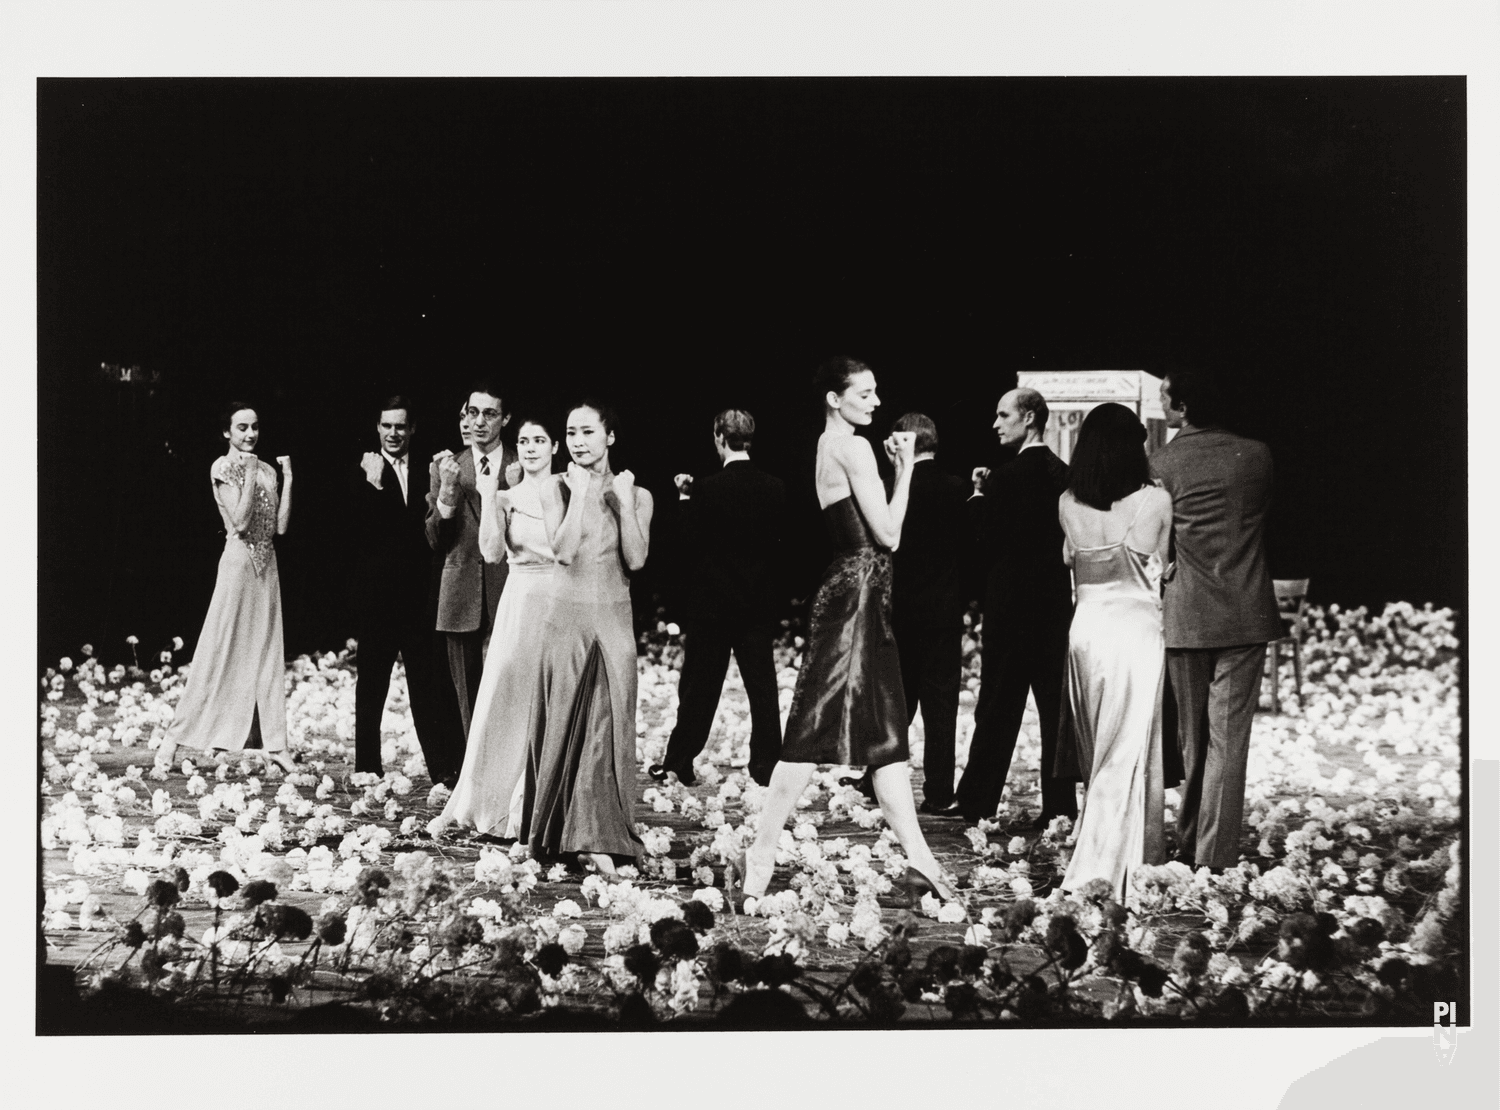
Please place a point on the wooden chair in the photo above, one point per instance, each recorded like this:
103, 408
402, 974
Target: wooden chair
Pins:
1291, 599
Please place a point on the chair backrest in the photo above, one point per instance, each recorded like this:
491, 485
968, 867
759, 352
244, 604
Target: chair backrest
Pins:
1291, 593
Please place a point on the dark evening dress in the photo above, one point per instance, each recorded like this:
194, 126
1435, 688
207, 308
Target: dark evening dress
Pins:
580, 786
849, 707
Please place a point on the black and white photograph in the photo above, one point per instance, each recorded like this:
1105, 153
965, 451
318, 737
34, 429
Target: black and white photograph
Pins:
664, 552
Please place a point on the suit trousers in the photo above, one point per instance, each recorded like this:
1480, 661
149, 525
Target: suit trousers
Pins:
409, 636
932, 661
1217, 690
466, 651
705, 662
1030, 656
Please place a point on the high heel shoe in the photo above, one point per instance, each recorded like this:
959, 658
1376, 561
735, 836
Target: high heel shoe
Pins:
166, 755
754, 885
918, 884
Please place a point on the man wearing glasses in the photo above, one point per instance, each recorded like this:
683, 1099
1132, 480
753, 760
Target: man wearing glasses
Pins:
470, 588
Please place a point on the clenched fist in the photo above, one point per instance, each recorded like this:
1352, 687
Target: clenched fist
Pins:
373, 466
448, 473
285, 462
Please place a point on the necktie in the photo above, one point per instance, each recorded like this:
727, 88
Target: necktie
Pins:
484, 465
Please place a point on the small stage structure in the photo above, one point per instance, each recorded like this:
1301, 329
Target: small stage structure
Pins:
1071, 394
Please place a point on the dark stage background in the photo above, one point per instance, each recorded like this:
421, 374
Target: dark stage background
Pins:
686, 245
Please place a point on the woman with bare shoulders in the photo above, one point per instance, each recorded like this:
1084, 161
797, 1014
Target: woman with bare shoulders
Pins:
235, 687
848, 707
580, 786
1115, 530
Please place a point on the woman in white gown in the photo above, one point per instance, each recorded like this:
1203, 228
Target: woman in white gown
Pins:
489, 790
236, 681
1116, 525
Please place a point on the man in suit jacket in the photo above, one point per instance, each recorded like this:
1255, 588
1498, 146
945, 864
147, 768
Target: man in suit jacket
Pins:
1028, 605
390, 596
732, 527
469, 590
1219, 610
927, 608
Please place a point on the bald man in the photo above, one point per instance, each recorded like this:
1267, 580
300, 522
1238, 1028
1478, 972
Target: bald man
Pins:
1028, 605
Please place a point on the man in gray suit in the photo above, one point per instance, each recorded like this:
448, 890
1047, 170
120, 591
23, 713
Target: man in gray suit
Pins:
1219, 610
469, 590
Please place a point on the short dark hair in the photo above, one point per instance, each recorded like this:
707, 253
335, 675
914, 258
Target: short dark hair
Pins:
541, 422
1109, 459
737, 427
921, 423
1199, 392
1029, 400
398, 401
834, 375
607, 415
485, 385
226, 414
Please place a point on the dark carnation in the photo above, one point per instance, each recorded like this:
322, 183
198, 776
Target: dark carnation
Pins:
1367, 932
332, 928
173, 924
1304, 943
1231, 1005
284, 921
913, 983
971, 959
279, 986
698, 917
1393, 973
962, 1000
635, 1012
673, 939
642, 962
181, 879
898, 954
162, 893
726, 963
257, 891
1020, 914
551, 958
1115, 914
1074, 952
942, 963
1031, 1001
1192, 955
1058, 929
866, 978
223, 884
370, 884
134, 935
774, 970
1151, 980
521, 997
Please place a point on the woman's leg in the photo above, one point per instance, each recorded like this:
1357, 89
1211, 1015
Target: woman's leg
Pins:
788, 781
893, 792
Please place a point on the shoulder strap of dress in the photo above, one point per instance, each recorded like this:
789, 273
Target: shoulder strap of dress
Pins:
1135, 518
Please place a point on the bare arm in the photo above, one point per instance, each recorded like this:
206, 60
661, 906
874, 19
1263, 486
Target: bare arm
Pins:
237, 503
1062, 519
564, 522
635, 528
284, 509
884, 518
494, 516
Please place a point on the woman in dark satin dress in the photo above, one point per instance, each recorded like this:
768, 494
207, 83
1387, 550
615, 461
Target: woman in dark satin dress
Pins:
848, 707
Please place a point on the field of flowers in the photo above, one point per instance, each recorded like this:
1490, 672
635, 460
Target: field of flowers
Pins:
227, 893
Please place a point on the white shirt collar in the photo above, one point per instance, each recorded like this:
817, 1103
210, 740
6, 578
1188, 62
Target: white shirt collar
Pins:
396, 463
1033, 443
495, 454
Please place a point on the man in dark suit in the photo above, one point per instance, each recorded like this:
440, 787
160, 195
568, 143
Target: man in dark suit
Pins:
1028, 605
390, 596
732, 526
927, 608
469, 590
1218, 611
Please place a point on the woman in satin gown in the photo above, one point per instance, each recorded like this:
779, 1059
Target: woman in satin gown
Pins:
848, 706
1115, 527
490, 792
580, 774
235, 686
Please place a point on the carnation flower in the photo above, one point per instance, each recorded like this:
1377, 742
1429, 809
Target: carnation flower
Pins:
573, 938
567, 908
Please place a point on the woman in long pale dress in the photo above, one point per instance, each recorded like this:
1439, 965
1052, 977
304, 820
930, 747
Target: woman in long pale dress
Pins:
490, 788
1116, 527
235, 685
581, 770
848, 707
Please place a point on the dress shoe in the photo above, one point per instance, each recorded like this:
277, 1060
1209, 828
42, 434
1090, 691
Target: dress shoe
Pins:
949, 810
865, 784
1045, 819
660, 771
450, 781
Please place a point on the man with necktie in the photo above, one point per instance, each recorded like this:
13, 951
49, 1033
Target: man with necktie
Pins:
469, 590
390, 595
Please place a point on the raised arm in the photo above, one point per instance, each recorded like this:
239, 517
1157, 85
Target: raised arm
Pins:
494, 516
635, 508
565, 521
236, 502
284, 509
884, 517
441, 523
